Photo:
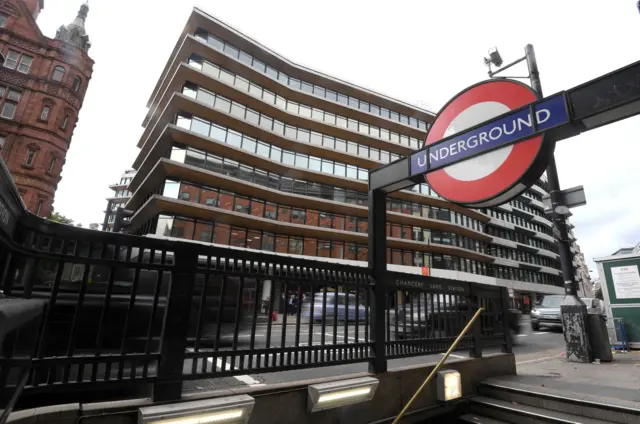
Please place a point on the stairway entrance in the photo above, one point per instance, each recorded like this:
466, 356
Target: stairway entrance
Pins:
517, 400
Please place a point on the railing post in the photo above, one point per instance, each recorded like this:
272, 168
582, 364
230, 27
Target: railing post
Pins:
378, 271
175, 325
476, 330
6, 257
507, 347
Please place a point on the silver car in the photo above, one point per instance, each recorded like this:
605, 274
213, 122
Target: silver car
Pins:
546, 313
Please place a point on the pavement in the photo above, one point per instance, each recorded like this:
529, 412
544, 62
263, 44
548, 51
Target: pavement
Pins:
529, 347
612, 382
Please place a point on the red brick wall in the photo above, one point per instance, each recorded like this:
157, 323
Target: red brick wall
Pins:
26, 130
34, 7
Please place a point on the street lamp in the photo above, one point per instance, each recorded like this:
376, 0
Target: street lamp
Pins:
494, 58
574, 311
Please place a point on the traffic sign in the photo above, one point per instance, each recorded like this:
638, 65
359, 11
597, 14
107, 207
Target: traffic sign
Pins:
482, 165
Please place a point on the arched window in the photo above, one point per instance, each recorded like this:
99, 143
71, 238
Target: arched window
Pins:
77, 83
58, 73
65, 122
44, 114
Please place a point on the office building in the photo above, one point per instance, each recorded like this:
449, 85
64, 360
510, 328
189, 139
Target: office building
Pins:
243, 147
43, 82
121, 196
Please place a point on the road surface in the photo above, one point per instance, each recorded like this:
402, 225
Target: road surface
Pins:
530, 346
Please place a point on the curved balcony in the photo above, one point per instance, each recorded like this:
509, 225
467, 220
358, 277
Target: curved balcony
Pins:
228, 151
545, 237
167, 168
191, 45
506, 262
501, 223
252, 99
505, 207
551, 271
521, 212
538, 204
159, 204
504, 242
190, 138
182, 103
521, 246
548, 253
539, 190
540, 220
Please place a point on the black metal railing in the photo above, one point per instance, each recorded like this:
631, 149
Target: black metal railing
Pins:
125, 314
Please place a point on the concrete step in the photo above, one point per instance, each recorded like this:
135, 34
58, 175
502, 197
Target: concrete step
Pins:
478, 419
515, 413
514, 391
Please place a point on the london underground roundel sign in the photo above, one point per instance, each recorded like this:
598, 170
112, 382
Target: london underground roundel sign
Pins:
499, 175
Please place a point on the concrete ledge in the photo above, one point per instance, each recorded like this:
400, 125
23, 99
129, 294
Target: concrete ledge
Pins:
55, 414
287, 402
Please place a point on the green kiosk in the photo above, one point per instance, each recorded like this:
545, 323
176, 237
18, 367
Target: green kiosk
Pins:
620, 278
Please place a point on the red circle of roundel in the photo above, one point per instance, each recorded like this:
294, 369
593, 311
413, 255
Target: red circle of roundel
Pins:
511, 94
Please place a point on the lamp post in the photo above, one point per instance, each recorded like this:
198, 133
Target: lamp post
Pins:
573, 310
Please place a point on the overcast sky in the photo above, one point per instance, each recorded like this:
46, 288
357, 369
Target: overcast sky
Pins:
416, 51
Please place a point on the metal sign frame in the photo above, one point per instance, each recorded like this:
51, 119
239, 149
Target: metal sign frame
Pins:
397, 175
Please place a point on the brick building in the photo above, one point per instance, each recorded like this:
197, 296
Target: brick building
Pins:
43, 82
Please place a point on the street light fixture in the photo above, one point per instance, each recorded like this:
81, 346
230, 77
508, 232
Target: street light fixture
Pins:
494, 58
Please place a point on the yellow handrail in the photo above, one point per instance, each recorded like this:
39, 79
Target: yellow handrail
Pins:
437, 367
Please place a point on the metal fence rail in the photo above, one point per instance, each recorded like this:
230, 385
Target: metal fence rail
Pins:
320, 328
129, 314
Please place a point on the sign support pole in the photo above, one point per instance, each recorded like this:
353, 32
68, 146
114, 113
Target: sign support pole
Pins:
573, 310
377, 257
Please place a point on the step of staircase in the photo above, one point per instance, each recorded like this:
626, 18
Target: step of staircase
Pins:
516, 391
516, 413
478, 419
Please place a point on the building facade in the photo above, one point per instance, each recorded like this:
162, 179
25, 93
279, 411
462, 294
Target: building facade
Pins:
43, 82
121, 196
582, 275
243, 147
627, 250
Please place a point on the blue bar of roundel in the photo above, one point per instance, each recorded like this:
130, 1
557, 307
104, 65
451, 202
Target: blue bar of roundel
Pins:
505, 130
559, 114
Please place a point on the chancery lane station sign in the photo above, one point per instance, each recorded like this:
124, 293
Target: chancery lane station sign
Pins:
494, 139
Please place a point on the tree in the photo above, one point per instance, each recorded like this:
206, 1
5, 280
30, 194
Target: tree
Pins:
79, 225
57, 217
94, 226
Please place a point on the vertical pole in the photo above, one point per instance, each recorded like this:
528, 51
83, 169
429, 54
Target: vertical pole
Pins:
378, 269
476, 331
507, 347
574, 311
173, 341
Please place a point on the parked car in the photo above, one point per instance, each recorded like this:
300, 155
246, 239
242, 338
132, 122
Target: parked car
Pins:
546, 313
347, 307
429, 318
437, 316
